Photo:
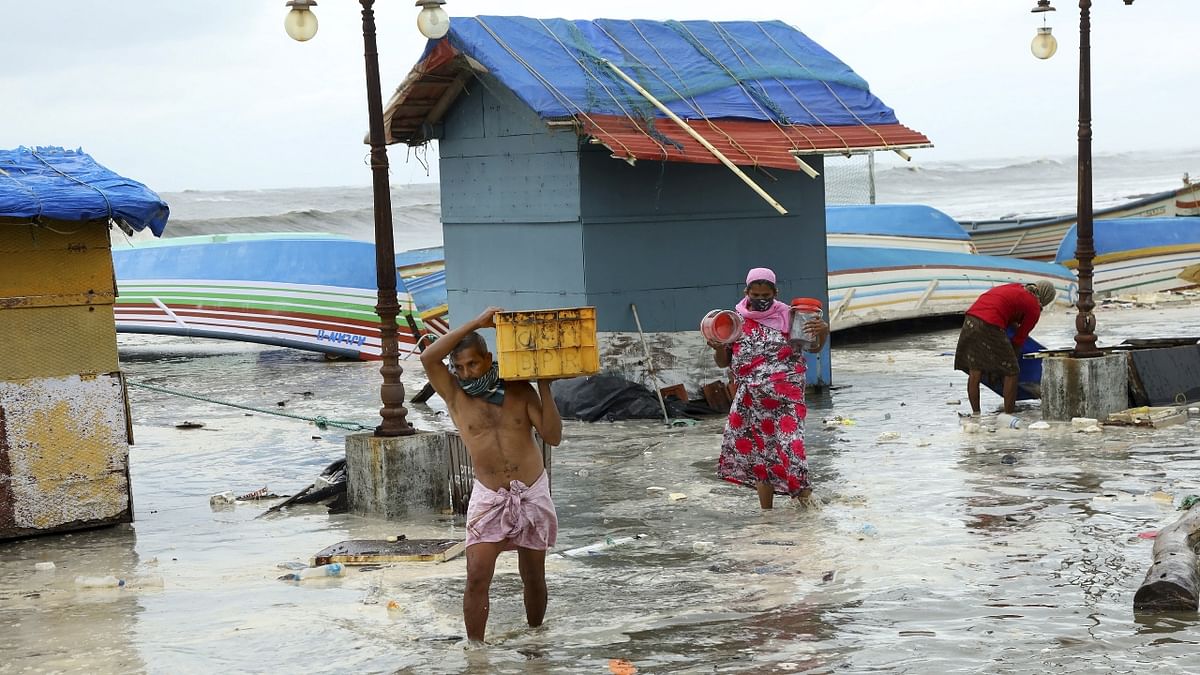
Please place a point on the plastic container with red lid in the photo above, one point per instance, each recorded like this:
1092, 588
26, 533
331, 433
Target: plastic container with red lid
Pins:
803, 311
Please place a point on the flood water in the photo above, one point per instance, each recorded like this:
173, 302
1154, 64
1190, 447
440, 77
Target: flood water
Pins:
936, 552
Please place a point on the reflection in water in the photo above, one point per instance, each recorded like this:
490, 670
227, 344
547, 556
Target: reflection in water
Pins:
47, 622
941, 551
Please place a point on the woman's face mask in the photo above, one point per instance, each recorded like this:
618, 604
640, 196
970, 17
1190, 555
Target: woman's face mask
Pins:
760, 304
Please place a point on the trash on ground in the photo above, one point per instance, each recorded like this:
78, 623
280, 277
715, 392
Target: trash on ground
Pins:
223, 499
1188, 502
44, 566
1146, 416
291, 565
318, 572
703, 546
189, 425
1148, 534
379, 551
1079, 423
954, 401
261, 493
1006, 421
655, 490
594, 549
888, 436
1162, 497
867, 530
621, 667
677, 496
328, 489
99, 582
1040, 425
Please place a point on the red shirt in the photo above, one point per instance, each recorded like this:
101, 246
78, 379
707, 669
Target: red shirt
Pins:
1006, 305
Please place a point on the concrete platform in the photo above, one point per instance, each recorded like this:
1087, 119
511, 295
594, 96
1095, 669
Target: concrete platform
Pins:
1095, 387
396, 477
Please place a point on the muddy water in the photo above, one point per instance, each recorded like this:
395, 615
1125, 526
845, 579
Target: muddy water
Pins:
937, 551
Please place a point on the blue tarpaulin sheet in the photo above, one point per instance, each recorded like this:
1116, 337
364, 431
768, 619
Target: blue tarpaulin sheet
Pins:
54, 184
699, 69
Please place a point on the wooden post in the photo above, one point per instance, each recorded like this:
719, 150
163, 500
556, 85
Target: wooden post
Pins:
1172, 582
699, 139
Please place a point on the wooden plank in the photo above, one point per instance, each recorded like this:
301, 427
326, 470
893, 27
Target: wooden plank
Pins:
382, 552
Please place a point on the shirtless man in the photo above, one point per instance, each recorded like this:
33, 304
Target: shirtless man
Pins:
510, 502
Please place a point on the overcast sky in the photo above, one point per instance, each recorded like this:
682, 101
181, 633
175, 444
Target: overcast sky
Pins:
214, 95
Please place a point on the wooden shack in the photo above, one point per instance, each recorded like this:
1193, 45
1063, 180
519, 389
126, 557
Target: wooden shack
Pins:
64, 415
588, 163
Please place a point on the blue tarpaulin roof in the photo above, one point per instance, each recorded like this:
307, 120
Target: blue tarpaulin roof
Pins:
759, 70
55, 184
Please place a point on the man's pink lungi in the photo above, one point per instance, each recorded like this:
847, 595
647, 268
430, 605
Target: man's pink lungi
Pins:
519, 515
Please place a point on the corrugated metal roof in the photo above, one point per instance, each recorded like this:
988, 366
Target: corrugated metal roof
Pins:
761, 93
744, 142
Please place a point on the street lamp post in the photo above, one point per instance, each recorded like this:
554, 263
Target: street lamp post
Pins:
301, 25
1044, 47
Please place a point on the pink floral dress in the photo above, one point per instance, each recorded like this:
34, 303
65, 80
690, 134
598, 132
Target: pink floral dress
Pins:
764, 437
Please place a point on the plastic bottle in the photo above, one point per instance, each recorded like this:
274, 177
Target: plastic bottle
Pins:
593, 549
803, 311
99, 582
1006, 421
319, 572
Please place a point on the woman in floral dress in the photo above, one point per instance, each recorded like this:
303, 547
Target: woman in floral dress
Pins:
763, 445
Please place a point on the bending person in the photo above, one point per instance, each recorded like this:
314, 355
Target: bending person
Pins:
984, 348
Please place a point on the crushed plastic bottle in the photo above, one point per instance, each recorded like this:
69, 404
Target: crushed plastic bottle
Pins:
319, 572
594, 549
1006, 421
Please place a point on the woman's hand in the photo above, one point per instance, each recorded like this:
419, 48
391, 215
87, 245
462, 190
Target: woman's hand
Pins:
716, 344
819, 330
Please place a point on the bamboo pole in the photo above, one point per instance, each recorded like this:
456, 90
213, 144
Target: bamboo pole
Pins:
650, 366
699, 139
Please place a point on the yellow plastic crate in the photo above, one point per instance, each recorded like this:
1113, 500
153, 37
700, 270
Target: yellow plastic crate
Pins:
547, 343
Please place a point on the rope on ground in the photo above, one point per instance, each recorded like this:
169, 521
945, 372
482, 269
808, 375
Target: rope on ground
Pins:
321, 421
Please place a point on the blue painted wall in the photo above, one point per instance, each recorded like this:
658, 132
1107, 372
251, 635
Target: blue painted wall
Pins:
534, 219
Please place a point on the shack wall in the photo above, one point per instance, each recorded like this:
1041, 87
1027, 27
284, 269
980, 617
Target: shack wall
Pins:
510, 206
533, 219
677, 240
64, 432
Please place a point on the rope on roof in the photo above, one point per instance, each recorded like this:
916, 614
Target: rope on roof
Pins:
653, 134
107, 204
562, 98
691, 39
691, 101
726, 36
28, 189
860, 120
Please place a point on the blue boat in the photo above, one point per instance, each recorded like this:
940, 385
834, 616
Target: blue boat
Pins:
1140, 255
306, 291
905, 261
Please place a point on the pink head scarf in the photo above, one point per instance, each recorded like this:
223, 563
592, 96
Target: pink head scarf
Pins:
777, 316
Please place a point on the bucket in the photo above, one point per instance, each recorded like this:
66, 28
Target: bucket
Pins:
721, 325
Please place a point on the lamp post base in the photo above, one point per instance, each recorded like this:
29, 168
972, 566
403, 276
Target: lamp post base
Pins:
1084, 387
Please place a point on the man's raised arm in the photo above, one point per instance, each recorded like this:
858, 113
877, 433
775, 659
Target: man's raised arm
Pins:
434, 356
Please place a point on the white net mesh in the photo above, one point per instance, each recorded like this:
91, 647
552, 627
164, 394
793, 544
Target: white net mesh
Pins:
848, 179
